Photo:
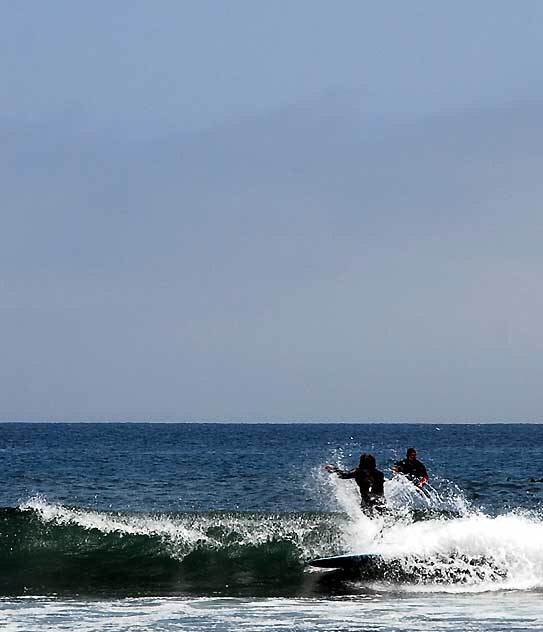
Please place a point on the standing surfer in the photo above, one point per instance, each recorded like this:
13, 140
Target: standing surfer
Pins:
369, 479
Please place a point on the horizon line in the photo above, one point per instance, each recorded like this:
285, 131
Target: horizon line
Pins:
268, 422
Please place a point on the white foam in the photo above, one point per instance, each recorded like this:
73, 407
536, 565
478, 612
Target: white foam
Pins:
114, 522
379, 613
485, 552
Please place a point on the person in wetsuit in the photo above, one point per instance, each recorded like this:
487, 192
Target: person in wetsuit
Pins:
412, 468
370, 482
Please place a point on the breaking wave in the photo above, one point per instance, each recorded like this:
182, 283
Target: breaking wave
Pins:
433, 542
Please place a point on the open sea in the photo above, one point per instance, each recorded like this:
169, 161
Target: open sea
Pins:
176, 526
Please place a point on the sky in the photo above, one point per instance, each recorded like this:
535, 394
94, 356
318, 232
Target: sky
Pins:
271, 211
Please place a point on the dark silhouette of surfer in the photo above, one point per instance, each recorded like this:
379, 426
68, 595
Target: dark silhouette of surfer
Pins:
370, 482
411, 467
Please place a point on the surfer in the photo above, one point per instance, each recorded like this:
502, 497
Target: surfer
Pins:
412, 468
370, 482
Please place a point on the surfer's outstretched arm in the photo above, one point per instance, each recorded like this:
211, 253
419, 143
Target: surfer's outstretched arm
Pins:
334, 469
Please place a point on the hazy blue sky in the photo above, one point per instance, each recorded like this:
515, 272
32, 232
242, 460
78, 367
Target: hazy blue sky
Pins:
269, 211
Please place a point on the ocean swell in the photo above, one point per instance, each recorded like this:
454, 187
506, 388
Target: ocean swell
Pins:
47, 548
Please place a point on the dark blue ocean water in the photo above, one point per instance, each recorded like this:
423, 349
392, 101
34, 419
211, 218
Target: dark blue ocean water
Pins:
253, 467
212, 526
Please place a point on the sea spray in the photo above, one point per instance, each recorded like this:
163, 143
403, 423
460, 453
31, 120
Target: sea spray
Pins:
436, 539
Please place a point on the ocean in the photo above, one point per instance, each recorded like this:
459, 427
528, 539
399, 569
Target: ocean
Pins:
174, 526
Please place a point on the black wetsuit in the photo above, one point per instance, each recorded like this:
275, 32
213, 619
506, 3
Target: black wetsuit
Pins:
371, 486
412, 468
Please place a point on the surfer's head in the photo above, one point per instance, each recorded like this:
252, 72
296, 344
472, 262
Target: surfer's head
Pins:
367, 462
411, 453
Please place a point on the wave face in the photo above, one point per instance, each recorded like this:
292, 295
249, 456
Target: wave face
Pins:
46, 548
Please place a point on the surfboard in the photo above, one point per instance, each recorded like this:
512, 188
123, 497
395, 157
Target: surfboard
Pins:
349, 561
